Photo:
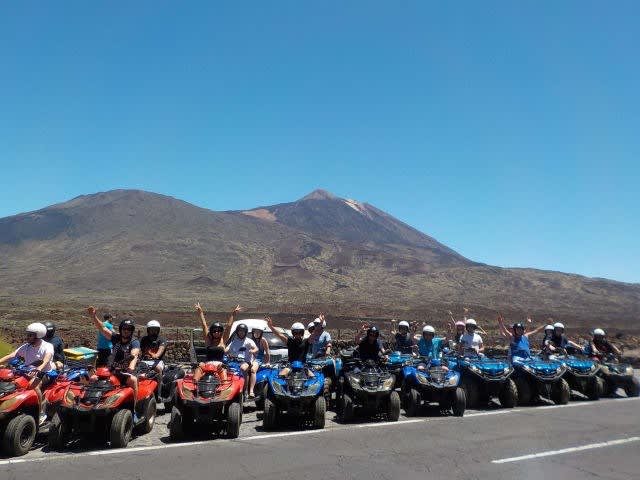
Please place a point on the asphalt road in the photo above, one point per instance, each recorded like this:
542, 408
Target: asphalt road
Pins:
483, 444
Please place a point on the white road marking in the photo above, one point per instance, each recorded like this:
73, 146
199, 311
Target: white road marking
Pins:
581, 448
493, 412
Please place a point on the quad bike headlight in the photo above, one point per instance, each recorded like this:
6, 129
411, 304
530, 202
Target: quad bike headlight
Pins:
505, 370
277, 388
628, 371
354, 382
559, 370
605, 369
594, 367
388, 383
109, 401
453, 380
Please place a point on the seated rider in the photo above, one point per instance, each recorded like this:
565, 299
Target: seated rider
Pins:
429, 346
558, 342
297, 346
599, 346
125, 352
320, 339
370, 346
470, 342
58, 344
509, 333
404, 341
519, 346
263, 356
242, 344
215, 338
548, 333
39, 353
153, 347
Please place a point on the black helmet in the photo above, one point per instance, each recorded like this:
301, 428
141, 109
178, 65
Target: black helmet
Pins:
373, 330
126, 323
517, 325
216, 327
244, 327
51, 329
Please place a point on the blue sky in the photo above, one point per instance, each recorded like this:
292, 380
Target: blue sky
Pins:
509, 133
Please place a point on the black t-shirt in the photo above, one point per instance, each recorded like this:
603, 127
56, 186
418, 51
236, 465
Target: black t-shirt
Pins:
121, 352
297, 349
58, 348
404, 343
150, 344
370, 351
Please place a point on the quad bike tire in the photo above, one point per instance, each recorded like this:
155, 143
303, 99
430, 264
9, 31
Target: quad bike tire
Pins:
632, 389
326, 391
394, 407
412, 403
149, 411
346, 408
319, 412
234, 419
176, 425
121, 429
270, 414
508, 395
58, 433
19, 435
610, 388
471, 392
459, 401
561, 392
260, 401
525, 395
595, 388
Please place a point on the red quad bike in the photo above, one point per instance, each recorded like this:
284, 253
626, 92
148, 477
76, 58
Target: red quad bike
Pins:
104, 406
214, 401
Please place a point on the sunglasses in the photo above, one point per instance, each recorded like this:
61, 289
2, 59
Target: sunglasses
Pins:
216, 331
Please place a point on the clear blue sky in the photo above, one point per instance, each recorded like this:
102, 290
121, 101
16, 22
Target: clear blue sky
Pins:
511, 133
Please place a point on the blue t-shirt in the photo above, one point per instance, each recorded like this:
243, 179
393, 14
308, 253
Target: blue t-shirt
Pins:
519, 347
103, 342
432, 349
320, 345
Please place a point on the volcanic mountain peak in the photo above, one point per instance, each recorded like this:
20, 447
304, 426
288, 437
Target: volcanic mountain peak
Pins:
319, 194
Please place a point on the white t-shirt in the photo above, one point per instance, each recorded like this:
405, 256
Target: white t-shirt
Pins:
246, 343
471, 342
33, 354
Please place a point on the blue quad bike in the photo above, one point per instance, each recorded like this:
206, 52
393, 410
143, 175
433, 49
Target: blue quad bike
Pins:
618, 375
582, 375
330, 367
262, 381
396, 363
426, 381
298, 394
368, 387
537, 377
485, 378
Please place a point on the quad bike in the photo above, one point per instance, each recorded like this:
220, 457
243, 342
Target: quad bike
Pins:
484, 378
396, 363
331, 367
20, 415
582, 375
368, 387
427, 380
539, 377
103, 406
298, 394
262, 379
214, 402
617, 375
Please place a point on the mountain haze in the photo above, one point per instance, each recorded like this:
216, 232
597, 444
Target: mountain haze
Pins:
145, 249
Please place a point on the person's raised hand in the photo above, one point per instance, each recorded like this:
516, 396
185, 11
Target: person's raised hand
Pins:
199, 308
91, 311
237, 310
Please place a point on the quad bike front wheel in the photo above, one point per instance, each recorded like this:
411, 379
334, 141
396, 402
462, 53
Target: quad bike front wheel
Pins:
595, 388
58, 433
561, 392
176, 425
413, 403
346, 408
270, 414
632, 388
319, 412
19, 435
149, 412
458, 402
523, 387
234, 419
508, 395
471, 391
394, 407
121, 429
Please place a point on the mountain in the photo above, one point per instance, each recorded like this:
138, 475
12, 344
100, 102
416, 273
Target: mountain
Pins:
138, 248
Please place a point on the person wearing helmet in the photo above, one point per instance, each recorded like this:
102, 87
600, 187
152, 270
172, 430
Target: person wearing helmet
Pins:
430, 346
320, 339
548, 333
262, 356
104, 344
124, 354
310, 328
470, 341
215, 338
153, 347
558, 342
404, 341
58, 344
599, 346
519, 345
298, 347
242, 345
509, 333
370, 347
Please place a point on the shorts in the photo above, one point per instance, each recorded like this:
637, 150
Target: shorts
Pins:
102, 358
151, 363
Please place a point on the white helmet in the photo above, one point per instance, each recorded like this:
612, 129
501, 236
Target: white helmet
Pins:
38, 328
558, 325
322, 323
311, 325
428, 329
153, 324
471, 321
548, 327
297, 326
403, 323
599, 331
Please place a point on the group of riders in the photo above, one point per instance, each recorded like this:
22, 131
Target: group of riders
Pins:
121, 351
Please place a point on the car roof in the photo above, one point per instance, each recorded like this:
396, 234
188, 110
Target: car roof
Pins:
252, 323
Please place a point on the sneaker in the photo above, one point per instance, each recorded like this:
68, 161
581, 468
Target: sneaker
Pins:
136, 418
42, 419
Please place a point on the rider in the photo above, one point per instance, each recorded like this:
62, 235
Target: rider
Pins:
241, 343
39, 353
519, 346
125, 352
430, 346
558, 340
58, 344
153, 347
370, 346
104, 344
510, 333
321, 340
215, 337
297, 345
404, 341
548, 333
471, 340
600, 346
263, 355
310, 328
